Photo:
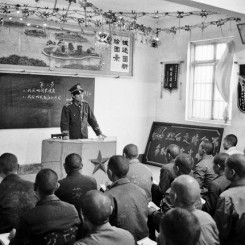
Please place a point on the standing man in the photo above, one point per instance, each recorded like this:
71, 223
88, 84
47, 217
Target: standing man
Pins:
76, 116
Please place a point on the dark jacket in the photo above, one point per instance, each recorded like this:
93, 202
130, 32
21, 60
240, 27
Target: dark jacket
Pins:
74, 187
50, 217
215, 188
230, 215
75, 120
130, 211
17, 196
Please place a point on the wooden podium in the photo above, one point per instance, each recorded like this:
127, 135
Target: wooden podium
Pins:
95, 154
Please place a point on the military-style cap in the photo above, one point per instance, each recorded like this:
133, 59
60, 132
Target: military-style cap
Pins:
76, 88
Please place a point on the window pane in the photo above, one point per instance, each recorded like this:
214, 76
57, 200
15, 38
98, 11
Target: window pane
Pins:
204, 52
206, 101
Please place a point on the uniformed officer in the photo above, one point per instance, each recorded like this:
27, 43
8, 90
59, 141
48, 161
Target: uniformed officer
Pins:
76, 116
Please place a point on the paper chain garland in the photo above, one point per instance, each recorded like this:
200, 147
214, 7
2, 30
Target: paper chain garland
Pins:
91, 16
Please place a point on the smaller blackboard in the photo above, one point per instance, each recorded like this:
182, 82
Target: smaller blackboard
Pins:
187, 137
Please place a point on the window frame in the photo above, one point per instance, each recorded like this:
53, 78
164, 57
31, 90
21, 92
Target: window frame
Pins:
191, 63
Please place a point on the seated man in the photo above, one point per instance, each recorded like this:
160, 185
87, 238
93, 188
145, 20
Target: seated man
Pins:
167, 174
229, 144
75, 185
203, 171
218, 185
52, 221
129, 201
183, 165
230, 209
96, 219
138, 173
185, 191
182, 222
17, 196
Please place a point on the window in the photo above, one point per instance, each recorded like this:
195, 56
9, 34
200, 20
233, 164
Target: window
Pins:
205, 103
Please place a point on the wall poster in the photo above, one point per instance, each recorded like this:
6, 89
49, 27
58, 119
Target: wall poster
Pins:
68, 51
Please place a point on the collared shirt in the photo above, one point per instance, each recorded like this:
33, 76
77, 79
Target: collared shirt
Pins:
50, 215
130, 207
75, 119
230, 215
233, 150
140, 175
204, 172
74, 187
215, 188
108, 235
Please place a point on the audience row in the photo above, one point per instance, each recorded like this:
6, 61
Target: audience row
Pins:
201, 203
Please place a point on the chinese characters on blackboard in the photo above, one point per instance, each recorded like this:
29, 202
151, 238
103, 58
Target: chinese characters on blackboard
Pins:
120, 54
187, 137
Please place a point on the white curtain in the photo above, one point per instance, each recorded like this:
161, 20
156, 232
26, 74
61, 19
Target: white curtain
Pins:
223, 76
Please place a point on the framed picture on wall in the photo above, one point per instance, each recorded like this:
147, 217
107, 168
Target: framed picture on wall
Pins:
241, 29
68, 51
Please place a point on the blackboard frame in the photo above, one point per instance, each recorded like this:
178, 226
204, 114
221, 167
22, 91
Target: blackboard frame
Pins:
155, 125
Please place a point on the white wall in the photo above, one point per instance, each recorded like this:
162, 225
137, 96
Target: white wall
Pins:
124, 107
171, 108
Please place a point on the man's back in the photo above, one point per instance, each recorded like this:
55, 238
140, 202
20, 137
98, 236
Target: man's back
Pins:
215, 188
108, 235
130, 207
140, 175
230, 215
167, 175
17, 196
204, 172
74, 187
49, 215
209, 232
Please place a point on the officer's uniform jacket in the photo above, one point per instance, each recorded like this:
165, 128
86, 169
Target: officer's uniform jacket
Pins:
75, 119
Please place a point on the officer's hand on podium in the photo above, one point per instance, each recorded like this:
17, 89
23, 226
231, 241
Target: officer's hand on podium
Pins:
66, 138
102, 136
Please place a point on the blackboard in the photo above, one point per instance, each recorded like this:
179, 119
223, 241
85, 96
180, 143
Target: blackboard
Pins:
187, 137
36, 101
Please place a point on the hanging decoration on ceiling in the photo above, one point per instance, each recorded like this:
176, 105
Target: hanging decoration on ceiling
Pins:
88, 15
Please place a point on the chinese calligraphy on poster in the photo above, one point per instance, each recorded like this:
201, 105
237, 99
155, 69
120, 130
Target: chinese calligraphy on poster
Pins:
171, 76
120, 54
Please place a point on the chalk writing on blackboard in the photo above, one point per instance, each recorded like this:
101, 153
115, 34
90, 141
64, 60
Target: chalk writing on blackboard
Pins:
186, 136
36, 101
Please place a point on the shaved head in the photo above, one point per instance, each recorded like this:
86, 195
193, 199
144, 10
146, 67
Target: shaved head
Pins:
130, 151
172, 152
185, 191
96, 207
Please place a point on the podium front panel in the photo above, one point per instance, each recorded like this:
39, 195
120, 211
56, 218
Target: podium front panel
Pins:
95, 155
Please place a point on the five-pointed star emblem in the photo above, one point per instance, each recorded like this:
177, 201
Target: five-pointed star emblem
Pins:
99, 163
